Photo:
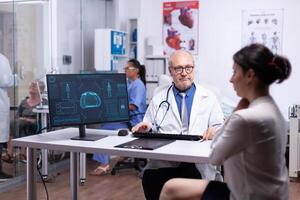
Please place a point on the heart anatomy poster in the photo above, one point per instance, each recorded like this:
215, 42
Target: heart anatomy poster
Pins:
263, 26
180, 26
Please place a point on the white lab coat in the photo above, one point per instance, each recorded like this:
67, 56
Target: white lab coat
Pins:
6, 80
205, 112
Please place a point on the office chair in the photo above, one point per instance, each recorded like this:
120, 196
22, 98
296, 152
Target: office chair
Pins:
129, 163
137, 163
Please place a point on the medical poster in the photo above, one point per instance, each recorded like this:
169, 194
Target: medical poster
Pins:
180, 26
263, 26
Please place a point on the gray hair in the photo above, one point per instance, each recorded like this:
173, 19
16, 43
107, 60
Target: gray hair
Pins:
181, 51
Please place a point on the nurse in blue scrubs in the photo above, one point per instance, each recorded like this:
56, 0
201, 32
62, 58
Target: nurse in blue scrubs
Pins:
136, 74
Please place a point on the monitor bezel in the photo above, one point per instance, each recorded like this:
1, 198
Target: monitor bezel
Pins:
89, 123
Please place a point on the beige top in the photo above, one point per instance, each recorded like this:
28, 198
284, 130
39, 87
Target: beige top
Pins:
251, 145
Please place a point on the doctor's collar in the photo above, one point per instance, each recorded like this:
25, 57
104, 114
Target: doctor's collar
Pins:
187, 91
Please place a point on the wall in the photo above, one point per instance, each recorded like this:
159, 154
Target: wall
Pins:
219, 43
94, 16
130, 9
68, 35
220, 37
76, 21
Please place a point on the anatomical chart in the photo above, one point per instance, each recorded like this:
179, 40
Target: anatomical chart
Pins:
263, 26
180, 26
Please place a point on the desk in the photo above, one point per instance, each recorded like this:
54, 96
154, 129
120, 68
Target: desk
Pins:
182, 151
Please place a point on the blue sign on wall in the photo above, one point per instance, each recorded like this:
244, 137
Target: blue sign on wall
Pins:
117, 43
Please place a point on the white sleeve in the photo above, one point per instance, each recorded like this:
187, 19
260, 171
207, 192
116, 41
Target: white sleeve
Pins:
216, 118
6, 76
150, 113
231, 139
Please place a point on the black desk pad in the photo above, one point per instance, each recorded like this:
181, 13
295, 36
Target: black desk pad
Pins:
145, 143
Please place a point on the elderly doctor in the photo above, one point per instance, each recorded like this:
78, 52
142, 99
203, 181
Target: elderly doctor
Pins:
184, 108
6, 81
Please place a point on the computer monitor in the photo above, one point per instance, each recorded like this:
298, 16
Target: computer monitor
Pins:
81, 99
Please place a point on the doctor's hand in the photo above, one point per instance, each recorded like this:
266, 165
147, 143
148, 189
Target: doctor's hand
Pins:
209, 133
142, 127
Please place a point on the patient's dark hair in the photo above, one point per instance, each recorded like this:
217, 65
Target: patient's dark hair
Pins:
141, 68
267, 66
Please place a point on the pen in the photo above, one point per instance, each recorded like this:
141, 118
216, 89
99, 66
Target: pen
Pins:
214, 125
202, 140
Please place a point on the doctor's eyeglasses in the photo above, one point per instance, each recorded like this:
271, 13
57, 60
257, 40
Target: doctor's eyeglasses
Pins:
179, 69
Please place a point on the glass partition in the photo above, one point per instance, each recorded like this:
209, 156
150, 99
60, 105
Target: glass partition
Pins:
40, 37
25, 41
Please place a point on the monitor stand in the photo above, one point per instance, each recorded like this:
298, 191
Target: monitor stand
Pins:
87, 137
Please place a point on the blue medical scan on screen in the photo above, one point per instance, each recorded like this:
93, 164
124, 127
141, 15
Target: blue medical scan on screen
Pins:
77, 99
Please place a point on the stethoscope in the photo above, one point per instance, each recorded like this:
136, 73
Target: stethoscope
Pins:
167, 105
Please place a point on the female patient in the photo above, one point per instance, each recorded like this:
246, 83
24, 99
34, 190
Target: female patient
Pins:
26, 122
251, 144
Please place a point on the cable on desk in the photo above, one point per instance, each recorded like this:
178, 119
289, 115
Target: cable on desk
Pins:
40, 130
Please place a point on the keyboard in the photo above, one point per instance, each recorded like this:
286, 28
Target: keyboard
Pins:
166, 136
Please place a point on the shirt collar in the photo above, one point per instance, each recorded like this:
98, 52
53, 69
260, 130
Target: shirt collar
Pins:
188, 92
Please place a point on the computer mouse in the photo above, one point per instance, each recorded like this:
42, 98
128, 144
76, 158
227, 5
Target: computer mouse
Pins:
123, 132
